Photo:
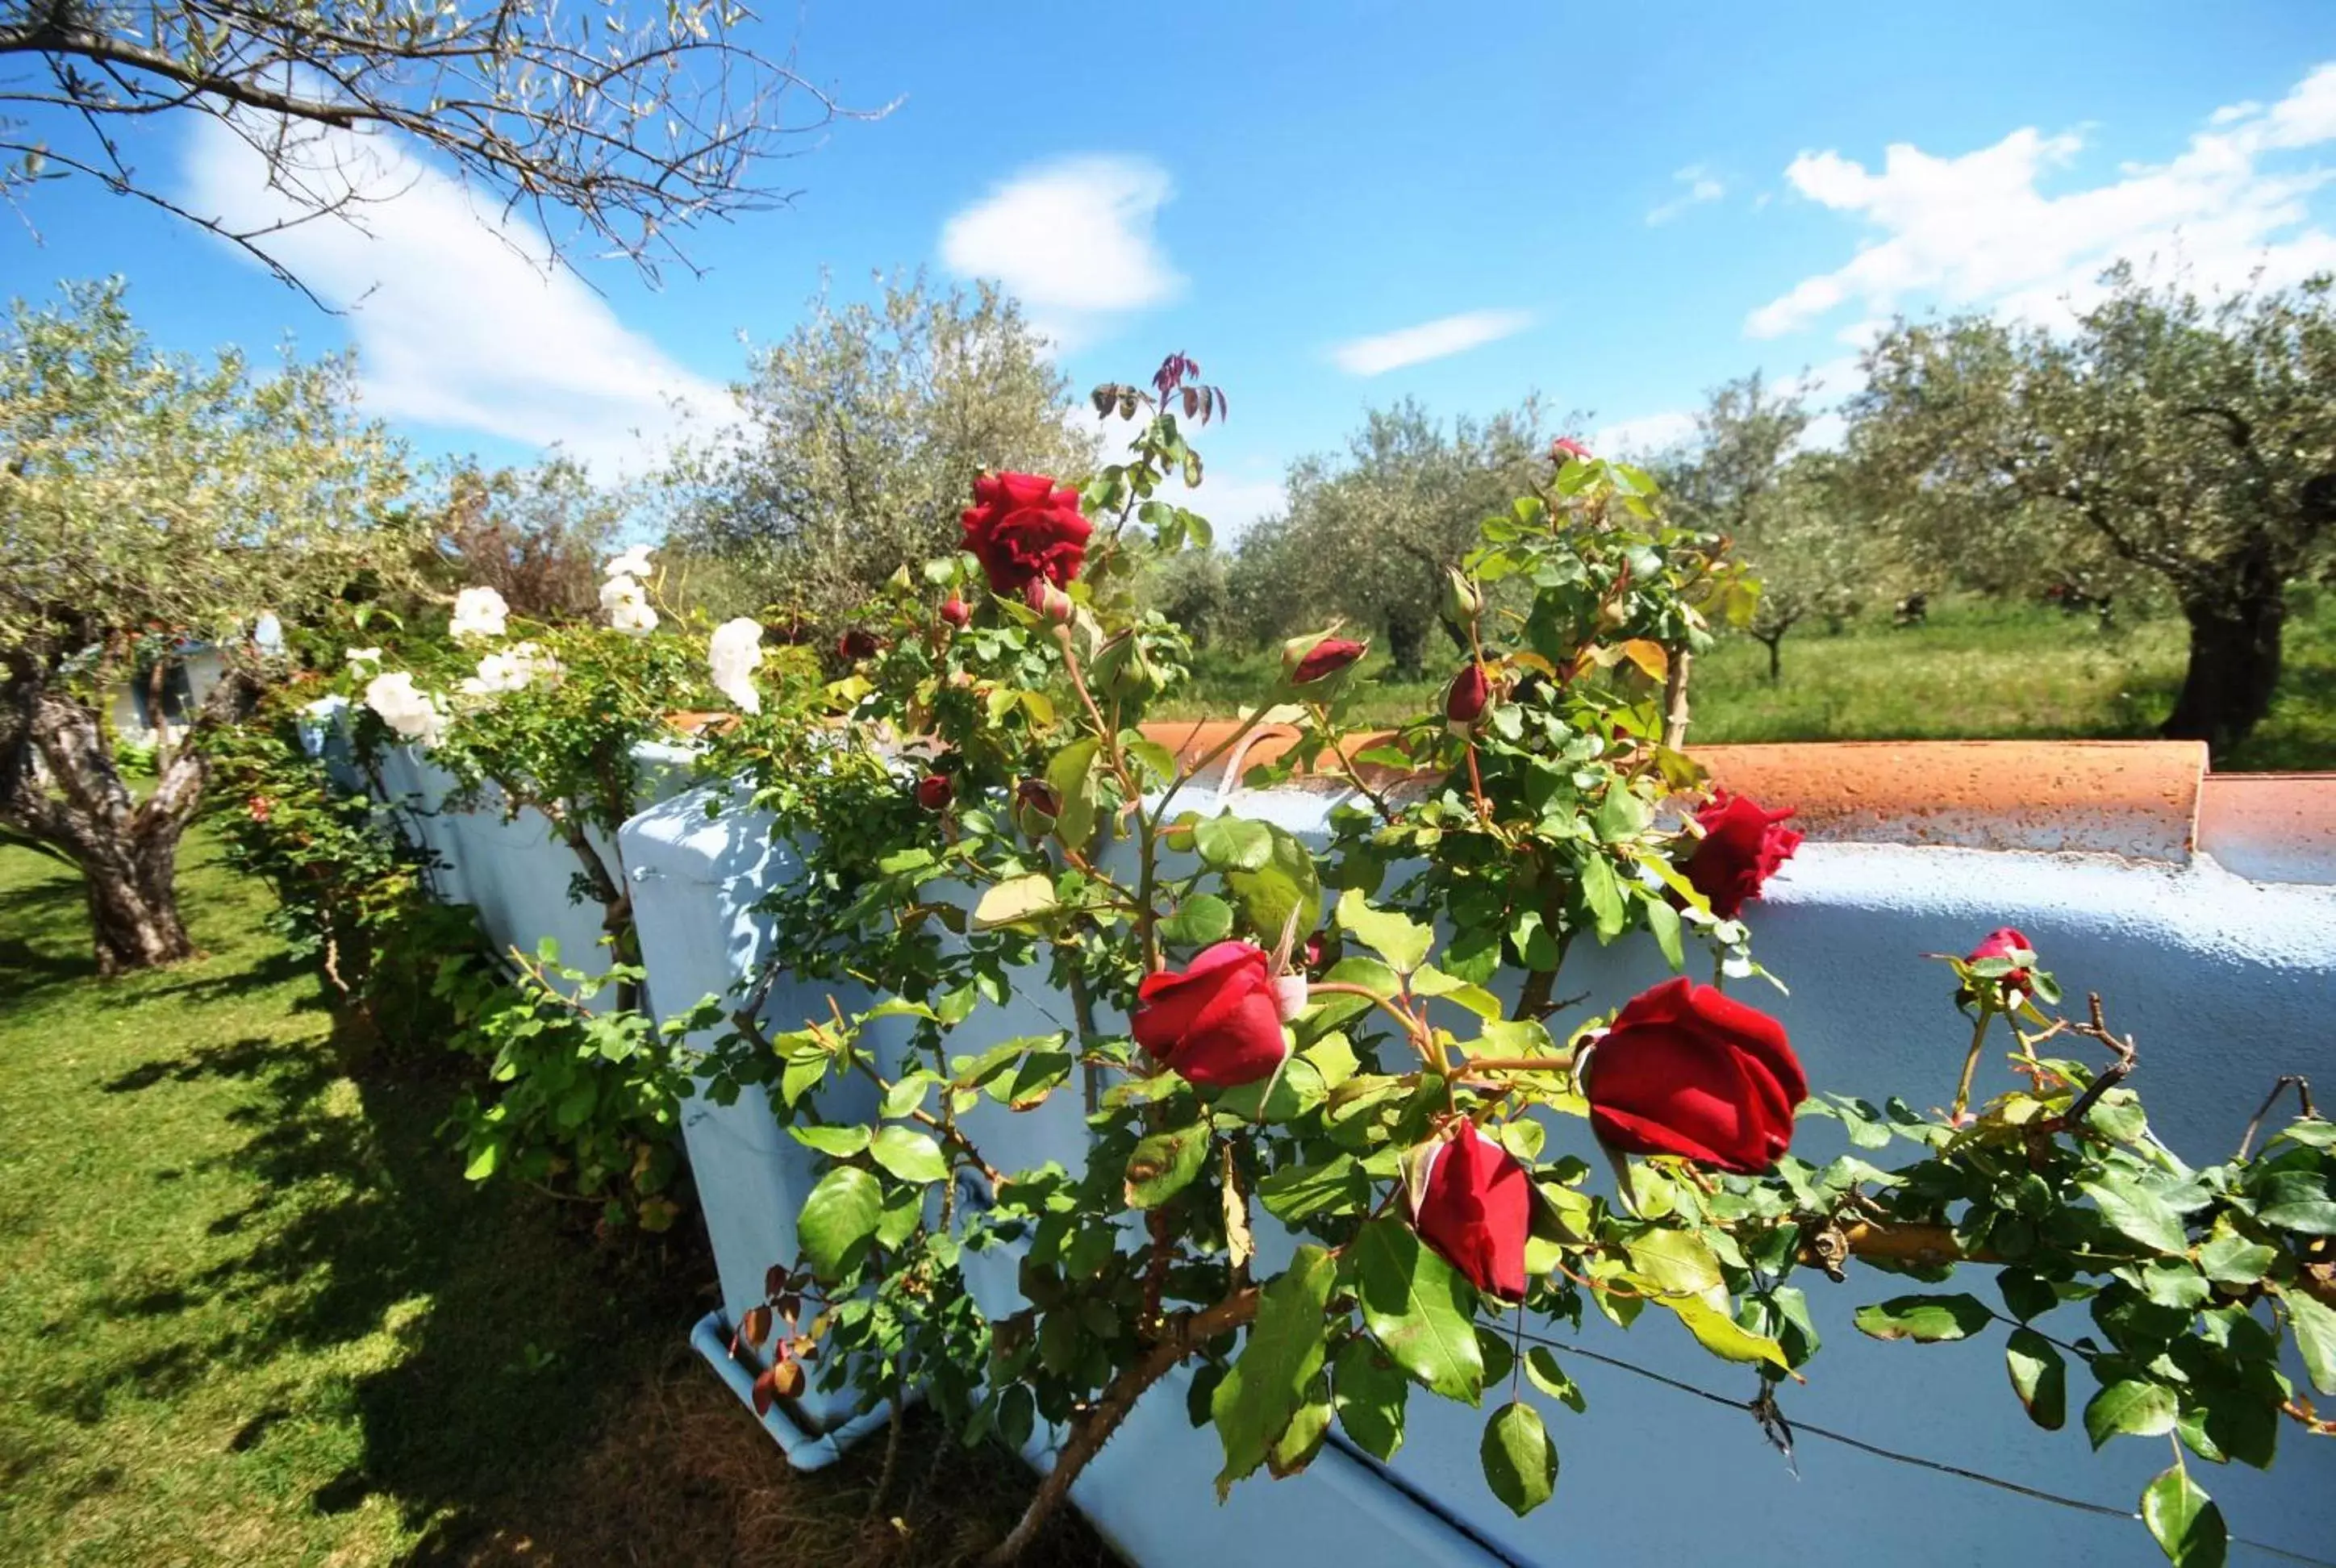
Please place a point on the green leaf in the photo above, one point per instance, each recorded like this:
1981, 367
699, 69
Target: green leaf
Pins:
1199, 921
2129, 1407
840, 1141
1723, 1336
2314, 1323
1431, 981
1664, 921
2040, 1377
1676, 1263
2296, 1201
2139, 1214
1013, 901
840, 1214
2228, 1258
1603, 894
1401, 941
1420, 1308
1926, 1319
1370, 1391
2026, 1294
907, 1094
2184, 1520
1621, 814
1300, 1441
1286, 881
910, 1154
1546, 1375
1295, 1192
1164, 1163
1267, 1381
1230, 843
1072, 775
1519, 1463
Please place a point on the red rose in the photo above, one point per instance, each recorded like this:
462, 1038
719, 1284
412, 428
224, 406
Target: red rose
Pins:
1327, 657
954, 611
1466, 699
1687, 1071
1022, 527
1742, 847
1474, 1205
934, 791
2002, 942
857, 644
1219, 1023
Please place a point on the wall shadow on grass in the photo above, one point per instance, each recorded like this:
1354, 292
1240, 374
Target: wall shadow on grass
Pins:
532, 1395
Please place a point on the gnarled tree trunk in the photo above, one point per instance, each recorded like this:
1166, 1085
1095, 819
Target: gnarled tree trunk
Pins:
59, 787
2234, 659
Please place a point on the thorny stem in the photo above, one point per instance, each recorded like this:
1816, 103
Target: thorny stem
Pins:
1093, 1425
1413, 1028
2303, 1086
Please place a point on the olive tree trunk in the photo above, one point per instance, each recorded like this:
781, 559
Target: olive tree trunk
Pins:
2235, 663
60, 788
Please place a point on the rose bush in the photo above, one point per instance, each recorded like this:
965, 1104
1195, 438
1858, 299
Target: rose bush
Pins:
1331, 1192
1338, 1113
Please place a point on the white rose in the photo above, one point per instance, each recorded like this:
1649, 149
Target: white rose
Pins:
734, 653
535, 665
479, 612
627, 604
634, 562
414, 714
364, 656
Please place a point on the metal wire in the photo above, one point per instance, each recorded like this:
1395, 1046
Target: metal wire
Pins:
2101, 1510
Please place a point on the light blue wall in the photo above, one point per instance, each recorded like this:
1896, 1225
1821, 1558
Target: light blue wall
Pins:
2226, 983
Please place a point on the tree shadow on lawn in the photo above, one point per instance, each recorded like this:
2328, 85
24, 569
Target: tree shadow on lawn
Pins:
538, 1400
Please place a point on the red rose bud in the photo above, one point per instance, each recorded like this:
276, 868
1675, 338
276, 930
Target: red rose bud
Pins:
1565, 448
1036, 806
2001, 943
1687, 1071
1219, 1023
1466, 699
935, 791
1742, 847
1047, 601
1472, 1202
1324, 659
1024, 528
857, 644
954, 612
1319, 952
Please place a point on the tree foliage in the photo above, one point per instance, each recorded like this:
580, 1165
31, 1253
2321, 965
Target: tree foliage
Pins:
147, 495
2188, 439
1793, 513
536, 535
858, 439
1369, 532
609, 129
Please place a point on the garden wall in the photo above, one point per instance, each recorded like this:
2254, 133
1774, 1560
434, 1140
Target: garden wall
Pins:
2226, 979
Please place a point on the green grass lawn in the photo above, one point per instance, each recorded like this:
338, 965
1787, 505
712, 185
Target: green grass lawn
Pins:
251, 1314
1976, 671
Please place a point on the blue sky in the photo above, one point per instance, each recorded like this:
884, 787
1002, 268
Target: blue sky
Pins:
1337, 206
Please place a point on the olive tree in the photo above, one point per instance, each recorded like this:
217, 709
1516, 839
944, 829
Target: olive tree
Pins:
2190, 439
610, 128
147, 495
1368, 533
857, 442
1793, 515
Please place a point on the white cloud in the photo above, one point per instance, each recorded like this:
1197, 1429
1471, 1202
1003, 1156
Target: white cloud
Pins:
1977, 229
1644, 435
1072, 240
1702, 186
1446, 334
458, 321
